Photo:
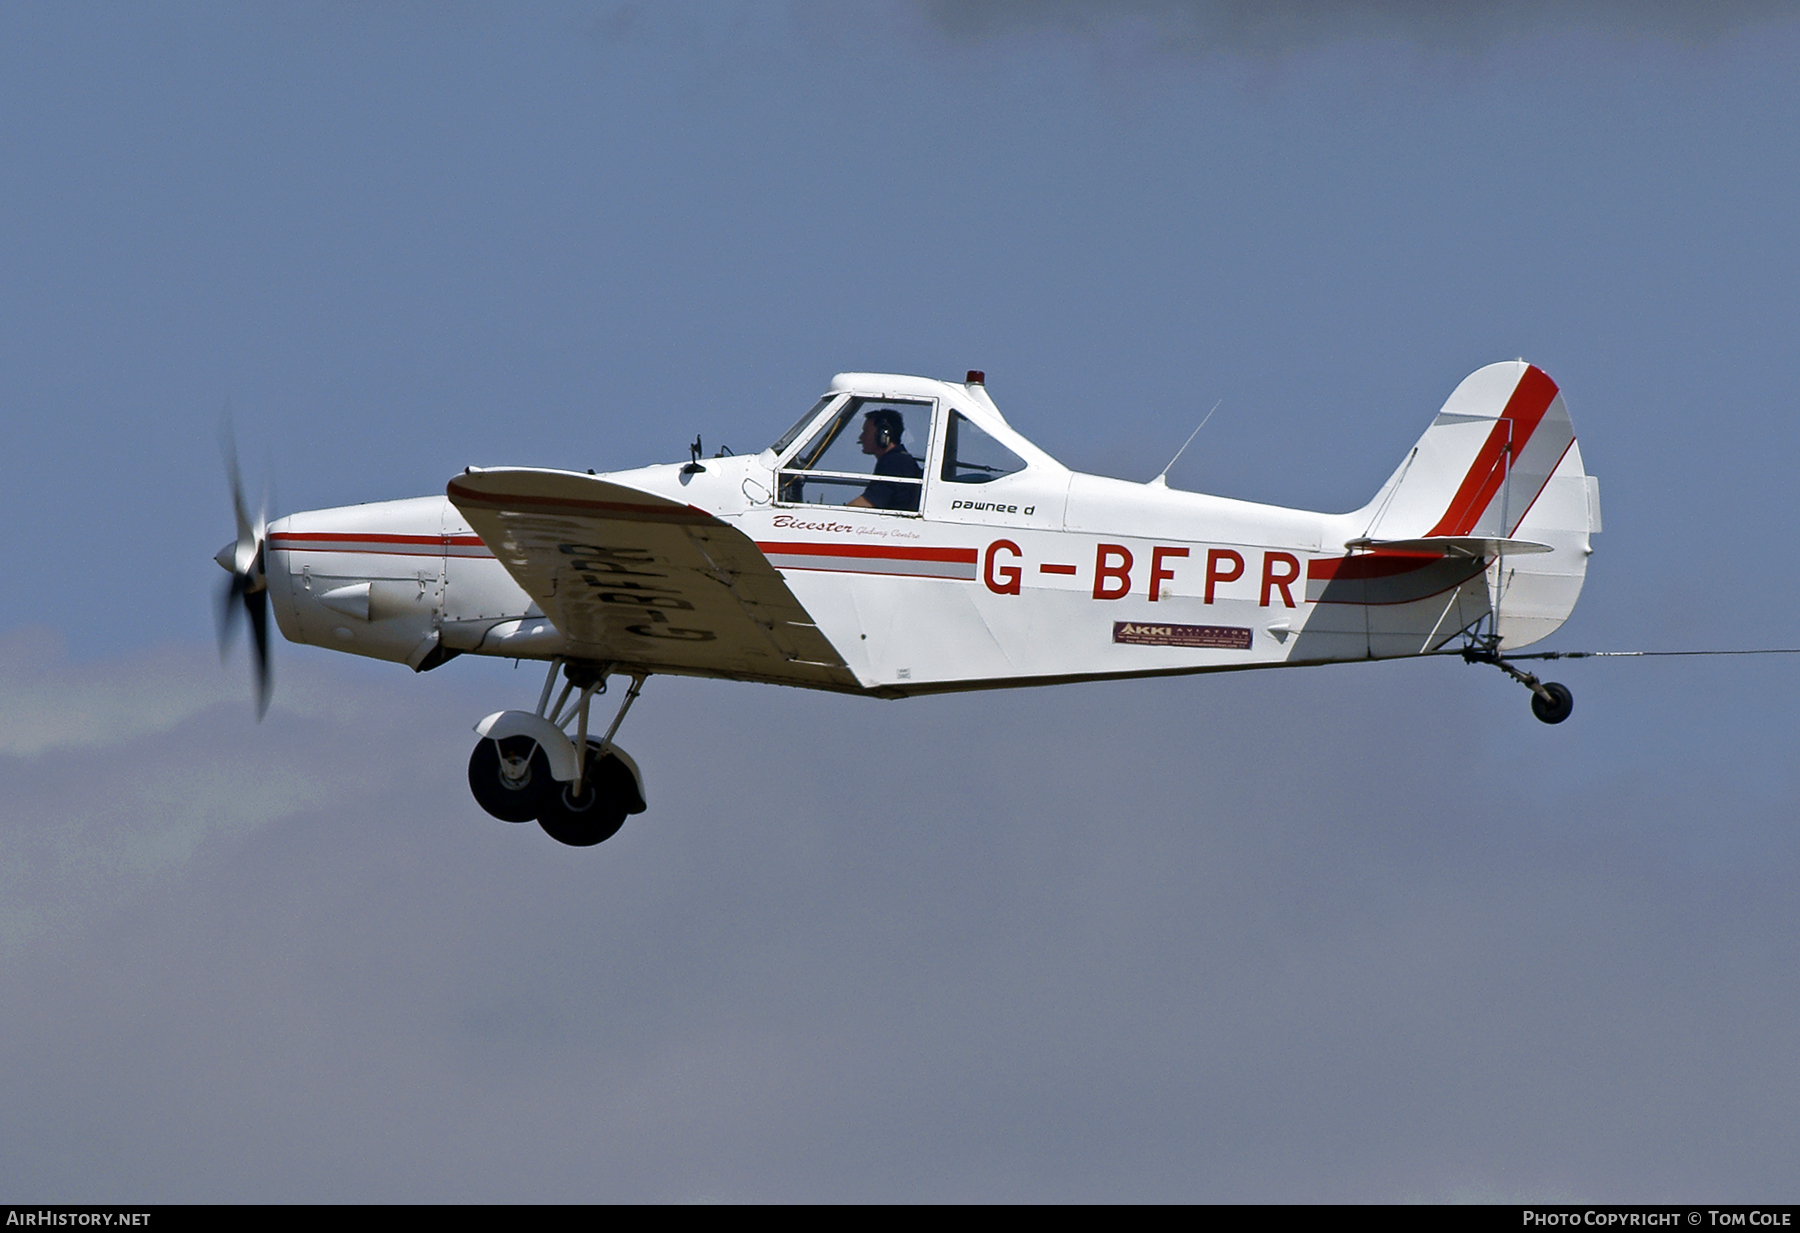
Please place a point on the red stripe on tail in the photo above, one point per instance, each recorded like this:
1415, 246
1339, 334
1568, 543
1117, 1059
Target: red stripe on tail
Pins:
1524, 410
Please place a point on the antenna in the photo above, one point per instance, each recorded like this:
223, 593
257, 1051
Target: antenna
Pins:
1162, 478
694, 467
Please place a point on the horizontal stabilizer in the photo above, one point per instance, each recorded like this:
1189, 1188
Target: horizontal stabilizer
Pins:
1474, 547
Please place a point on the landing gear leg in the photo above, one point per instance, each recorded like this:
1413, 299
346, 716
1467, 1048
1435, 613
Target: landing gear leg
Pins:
592, 807
1550, 701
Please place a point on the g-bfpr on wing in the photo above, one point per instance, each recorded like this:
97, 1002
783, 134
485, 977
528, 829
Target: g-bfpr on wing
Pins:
636, 579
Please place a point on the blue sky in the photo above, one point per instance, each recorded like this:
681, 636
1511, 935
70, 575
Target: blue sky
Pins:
1360, 933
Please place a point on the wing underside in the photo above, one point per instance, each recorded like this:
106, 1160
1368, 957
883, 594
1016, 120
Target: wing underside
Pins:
638, 580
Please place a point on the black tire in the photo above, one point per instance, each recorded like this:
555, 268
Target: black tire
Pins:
1559, 706
510, 802
608, 793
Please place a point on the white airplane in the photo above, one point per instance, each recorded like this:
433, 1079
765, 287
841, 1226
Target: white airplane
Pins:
902, 538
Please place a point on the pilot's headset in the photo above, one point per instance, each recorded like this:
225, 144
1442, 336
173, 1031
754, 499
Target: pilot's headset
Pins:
888, 426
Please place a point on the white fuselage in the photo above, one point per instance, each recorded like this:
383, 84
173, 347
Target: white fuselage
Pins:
1041, 575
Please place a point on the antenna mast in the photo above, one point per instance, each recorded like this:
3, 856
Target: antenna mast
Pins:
1162, 477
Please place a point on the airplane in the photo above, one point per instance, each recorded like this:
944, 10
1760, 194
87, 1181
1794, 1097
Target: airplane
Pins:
902, 538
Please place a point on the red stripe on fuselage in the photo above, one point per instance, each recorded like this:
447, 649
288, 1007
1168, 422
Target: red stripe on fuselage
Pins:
281, 538
1373, 565
957, 556
1524, 411
381, 545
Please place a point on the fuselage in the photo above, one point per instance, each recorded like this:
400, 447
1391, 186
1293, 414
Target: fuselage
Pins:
1010, 572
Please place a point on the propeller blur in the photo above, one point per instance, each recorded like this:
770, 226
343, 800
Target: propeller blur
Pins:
246, 594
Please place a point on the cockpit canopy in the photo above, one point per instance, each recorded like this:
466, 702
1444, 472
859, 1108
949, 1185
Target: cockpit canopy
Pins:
881, 450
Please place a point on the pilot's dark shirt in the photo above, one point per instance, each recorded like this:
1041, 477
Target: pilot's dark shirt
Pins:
896, 462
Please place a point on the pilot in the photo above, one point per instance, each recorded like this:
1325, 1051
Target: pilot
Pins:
881, 433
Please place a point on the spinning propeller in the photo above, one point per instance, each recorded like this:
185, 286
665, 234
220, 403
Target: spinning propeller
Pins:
247, 594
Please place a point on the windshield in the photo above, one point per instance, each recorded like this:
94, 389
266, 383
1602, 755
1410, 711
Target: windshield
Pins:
787, 438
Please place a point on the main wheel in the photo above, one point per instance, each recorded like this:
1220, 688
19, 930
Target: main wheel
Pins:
1559, 706
608, 793
511, 778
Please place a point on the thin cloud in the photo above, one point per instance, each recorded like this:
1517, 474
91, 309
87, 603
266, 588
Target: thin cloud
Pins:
1276, 28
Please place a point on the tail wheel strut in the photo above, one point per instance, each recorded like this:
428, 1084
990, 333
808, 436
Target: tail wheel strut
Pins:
1551, 701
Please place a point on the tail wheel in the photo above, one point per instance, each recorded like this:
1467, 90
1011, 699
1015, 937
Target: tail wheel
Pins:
511, 778
1557, 707
608, 792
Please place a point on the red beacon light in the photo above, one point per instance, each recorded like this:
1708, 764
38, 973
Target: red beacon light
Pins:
976, 377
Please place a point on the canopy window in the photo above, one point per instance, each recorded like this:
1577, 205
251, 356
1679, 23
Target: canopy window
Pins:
871, 454
972, 456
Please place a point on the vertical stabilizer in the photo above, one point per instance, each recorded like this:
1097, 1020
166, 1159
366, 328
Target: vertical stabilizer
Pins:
1482, 463
1500, 461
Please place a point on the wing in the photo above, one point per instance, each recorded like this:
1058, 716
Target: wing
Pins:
638, 580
